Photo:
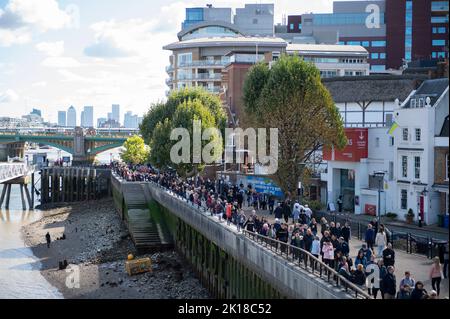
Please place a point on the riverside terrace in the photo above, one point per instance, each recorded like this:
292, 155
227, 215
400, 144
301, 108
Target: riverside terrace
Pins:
301, 263
256, 228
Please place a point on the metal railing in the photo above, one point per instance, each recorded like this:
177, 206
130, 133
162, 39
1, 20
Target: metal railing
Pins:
406, 241
300, 257
308, 262
10, 171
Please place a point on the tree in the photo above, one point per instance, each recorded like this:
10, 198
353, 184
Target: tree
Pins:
136, 152
290, 96
181, 108
158, 112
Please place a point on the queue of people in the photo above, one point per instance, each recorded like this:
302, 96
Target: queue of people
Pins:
295, 226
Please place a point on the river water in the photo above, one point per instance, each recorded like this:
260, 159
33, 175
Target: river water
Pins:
19, 268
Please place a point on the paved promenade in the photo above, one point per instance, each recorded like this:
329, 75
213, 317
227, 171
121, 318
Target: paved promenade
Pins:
418, 265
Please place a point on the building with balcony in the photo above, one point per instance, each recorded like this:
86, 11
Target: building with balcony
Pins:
420, 151
334, 60
199, 62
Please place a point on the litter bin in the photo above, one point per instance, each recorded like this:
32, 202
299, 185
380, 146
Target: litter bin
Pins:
446, 221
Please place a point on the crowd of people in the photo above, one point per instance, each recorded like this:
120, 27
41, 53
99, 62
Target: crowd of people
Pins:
295, 226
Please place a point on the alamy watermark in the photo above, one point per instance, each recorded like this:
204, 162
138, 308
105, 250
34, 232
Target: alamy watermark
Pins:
73, 277
373, 20
256, 146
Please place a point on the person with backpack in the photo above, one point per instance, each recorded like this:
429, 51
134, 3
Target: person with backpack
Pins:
369, 237
390, 284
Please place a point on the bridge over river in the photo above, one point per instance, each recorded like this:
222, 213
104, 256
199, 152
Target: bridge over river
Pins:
230, 264
83, 144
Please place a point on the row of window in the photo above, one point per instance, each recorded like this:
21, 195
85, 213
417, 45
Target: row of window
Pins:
416, 167
343, 18
439, 30
442, 19
439, 6
366, 44
378, 68
417, 134
408, 30
438, 43
437, 55
376, 56
292, 26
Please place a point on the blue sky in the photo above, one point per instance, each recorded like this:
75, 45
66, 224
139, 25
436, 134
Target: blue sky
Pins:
54, 54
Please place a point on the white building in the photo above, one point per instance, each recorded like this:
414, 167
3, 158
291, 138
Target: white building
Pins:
421, 119
334, 60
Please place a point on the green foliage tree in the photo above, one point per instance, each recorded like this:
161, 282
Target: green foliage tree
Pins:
291, 97
136, 152
181, 108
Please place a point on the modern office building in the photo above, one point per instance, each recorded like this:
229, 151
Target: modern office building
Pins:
71, 117
36, 112
116, 112
334, 60
101, 121
252, 20
393, 31
62, 118
87, 117
131, 121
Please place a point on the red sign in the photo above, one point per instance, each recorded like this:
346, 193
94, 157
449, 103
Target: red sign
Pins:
370, 210
357, 147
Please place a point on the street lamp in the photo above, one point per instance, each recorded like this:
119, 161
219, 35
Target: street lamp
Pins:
424, 194
380, 175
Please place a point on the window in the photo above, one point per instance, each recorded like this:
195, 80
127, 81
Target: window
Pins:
343, 18
404, 199
300, 26
392, 141
408, 56
439, 30
377, 142
255, 21
341, 42
408, 31
418, 134
184, 59
374, 56
438, 43
439, 6
365, 43
291, 26
378, 43
405, 134
417, 167
405, 166
378, 68
382, 55
353, 42
439, 19
391, 171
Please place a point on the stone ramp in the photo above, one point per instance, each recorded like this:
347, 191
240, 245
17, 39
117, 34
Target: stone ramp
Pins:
146, 234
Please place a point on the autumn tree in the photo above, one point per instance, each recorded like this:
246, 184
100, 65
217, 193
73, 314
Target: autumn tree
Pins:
135, 150
291, 97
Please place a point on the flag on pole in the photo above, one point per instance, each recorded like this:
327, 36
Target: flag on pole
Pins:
393, 128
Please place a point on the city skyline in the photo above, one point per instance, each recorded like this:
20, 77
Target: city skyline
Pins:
64, 53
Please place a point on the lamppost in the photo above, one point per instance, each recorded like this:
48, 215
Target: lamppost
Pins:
380, 175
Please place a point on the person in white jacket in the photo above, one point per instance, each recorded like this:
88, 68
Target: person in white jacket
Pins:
380, 242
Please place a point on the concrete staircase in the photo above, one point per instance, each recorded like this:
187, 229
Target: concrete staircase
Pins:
147, 235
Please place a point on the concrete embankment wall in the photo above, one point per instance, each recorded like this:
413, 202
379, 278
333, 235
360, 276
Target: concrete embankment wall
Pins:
229, 264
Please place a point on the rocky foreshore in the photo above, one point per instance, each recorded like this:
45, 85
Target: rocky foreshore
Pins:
96, 246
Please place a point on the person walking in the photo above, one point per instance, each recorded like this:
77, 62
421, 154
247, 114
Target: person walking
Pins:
296, 213
382, 273
389, 256
339, 202
346, 232
407, 281
380, 242
389, 283
369, 236
436, 275
286, 211
48, 239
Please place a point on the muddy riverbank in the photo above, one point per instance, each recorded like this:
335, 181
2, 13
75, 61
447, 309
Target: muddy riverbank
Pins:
96, 246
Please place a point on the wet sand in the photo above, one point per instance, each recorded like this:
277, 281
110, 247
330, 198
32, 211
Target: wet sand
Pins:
96, 246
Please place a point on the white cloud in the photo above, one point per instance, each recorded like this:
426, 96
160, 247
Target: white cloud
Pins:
8, 96
43, 14
40, 84
61, 62
52, 49
11, 37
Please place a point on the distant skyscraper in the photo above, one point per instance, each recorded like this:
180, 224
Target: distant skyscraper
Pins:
71, 117
87, 117
62, 118
101, 121
36, 112
131, 121
116, 112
